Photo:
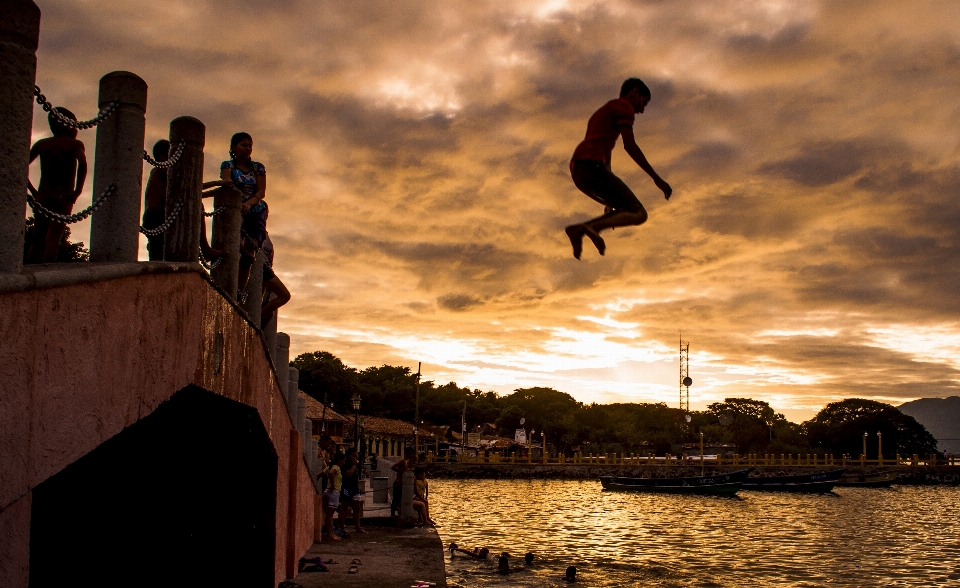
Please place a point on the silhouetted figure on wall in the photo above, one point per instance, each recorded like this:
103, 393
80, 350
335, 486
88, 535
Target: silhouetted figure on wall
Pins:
155, 199
250, 177
590, 167
63, 170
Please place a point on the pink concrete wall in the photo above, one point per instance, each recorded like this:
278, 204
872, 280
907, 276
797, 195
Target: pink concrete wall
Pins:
80, 363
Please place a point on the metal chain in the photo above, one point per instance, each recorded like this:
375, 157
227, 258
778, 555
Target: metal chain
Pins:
210, 266
171, 160
69, 122
69, 219
166, 223
214, 211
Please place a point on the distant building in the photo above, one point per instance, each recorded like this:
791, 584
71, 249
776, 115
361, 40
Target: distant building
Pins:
326, 422
385, 437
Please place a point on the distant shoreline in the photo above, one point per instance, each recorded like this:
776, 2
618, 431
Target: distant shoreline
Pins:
916, 476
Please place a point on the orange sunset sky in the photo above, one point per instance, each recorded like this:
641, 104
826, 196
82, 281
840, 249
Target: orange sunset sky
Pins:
417, 152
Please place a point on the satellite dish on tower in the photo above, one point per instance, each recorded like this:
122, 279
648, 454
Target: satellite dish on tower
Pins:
523, 420
688, 381
688, 418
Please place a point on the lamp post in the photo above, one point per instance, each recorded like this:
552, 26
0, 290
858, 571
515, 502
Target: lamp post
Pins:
879, 448
355, 399
863, 462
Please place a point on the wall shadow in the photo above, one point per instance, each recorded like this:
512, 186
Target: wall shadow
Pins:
184, 497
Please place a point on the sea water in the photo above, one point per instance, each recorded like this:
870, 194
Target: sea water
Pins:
901, 536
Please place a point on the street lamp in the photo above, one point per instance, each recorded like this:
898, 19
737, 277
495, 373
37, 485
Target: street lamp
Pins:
355, 399
865, 434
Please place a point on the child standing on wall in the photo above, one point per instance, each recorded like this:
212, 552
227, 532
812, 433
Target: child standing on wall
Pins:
63, 170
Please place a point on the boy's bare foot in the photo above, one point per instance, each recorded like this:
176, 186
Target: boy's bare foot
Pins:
575, 234
331, 538
596, 238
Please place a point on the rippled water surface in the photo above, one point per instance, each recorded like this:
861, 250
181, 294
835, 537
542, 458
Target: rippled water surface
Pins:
903, 536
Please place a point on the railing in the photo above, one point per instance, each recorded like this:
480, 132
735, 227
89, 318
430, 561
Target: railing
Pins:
748, 460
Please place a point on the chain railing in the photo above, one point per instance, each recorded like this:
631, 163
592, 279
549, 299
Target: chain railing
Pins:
210, 265
213, 212
69, 122
167, 223
171, 160
69, 219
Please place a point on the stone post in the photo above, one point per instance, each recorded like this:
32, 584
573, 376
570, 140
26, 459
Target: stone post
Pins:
114, 228
408, 517
226, 237
283, 359
19, 37
185, 183
380, 484
301, 413
255, 290
282, 362
293, 384
270, 334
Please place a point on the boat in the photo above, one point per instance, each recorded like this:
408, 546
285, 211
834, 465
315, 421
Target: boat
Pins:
874, 480
819, 482
723, 484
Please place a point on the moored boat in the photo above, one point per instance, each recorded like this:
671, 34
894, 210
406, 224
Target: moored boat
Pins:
718, 484
813, 483
873, 480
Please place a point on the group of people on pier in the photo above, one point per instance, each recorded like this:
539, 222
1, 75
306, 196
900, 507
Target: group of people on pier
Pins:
63, 172
343, 498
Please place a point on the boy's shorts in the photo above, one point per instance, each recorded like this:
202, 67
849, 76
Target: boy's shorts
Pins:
333, 498
595, 179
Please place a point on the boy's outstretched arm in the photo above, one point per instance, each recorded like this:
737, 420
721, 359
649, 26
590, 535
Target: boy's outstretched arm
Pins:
631, 147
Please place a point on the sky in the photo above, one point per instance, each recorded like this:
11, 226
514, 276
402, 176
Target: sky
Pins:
417, 160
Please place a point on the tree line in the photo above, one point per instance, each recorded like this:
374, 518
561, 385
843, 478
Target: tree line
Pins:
569, 425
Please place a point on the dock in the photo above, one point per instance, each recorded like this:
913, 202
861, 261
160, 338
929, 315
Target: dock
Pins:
387, 555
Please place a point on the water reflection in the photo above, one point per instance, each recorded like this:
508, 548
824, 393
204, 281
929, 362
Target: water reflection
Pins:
904, 536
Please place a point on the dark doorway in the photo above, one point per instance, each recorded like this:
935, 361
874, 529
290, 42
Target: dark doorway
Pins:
184, 497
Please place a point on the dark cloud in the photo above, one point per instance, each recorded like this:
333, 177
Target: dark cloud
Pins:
820, 164
458, 302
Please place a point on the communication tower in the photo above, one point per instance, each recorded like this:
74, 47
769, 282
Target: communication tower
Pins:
685, 380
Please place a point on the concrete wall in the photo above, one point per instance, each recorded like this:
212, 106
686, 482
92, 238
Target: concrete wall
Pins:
81, 361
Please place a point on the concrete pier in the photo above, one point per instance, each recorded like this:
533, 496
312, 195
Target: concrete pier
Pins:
114, 228
181, 242
389, 556
19, 37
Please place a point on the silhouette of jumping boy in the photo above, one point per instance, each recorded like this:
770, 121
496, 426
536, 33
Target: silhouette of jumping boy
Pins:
63, 169
590, 167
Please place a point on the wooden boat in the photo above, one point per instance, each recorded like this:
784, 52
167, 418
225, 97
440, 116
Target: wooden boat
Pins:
719, 484
874, 480
813, 483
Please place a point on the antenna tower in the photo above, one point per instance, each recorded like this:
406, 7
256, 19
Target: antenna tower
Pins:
685, 379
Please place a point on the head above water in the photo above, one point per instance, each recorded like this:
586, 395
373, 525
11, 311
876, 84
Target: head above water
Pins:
59, 129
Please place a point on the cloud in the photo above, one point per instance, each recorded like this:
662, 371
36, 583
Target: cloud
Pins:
418, 185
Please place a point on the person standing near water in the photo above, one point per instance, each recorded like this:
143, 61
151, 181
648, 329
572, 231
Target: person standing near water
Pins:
590, 167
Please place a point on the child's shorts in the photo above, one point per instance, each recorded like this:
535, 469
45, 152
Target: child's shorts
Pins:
333, 498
